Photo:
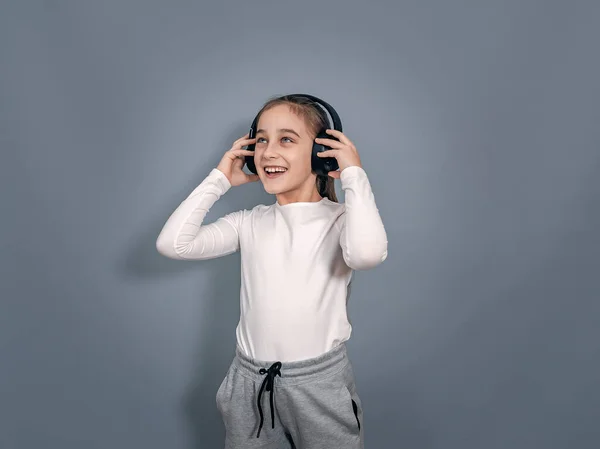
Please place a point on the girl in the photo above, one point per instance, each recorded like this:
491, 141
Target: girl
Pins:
297, 259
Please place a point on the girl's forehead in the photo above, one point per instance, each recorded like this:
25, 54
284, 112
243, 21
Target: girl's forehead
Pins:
280, 117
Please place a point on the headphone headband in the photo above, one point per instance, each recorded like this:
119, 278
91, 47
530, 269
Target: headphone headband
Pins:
337, 122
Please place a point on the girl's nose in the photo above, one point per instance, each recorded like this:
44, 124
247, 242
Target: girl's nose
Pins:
270, 150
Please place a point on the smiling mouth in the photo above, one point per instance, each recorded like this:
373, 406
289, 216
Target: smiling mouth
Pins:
274, 172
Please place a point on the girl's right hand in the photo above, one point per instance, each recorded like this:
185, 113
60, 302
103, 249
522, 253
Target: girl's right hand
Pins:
233, 162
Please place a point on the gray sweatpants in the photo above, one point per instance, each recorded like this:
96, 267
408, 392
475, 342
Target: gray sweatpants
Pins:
306, 404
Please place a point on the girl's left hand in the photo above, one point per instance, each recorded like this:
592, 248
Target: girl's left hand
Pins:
344, 151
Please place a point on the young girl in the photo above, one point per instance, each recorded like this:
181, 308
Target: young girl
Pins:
297, 259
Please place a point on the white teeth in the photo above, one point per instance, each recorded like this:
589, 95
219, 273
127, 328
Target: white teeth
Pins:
275, 169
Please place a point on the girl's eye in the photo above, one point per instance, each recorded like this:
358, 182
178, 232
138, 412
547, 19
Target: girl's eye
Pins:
260, 139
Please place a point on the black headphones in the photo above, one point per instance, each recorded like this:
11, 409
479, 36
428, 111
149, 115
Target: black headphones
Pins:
320, 165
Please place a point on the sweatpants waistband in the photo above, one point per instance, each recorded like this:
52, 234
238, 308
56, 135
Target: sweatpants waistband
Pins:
295, 372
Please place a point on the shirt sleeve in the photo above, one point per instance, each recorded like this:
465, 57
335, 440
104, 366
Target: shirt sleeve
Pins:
363, 238
184, 236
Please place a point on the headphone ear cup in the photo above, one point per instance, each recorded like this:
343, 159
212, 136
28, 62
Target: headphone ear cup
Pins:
250, 160
323, 165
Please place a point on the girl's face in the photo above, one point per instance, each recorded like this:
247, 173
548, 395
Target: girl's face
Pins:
283, 155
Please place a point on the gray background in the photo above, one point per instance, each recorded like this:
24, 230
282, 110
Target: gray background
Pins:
477, 122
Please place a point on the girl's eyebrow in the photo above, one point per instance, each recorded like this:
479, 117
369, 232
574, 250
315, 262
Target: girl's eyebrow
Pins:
285, 130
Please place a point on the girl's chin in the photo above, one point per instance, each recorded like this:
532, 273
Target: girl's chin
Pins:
275, 188
273, 191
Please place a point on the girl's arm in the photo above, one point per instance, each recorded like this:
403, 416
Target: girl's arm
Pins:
185, 237
363, 238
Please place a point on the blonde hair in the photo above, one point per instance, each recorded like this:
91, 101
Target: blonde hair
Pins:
315, 119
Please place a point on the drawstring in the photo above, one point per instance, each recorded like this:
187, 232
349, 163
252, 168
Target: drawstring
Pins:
269, 382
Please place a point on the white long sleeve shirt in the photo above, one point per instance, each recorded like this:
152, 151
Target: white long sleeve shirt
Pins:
296, 262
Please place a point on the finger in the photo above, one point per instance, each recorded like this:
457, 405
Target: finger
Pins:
239, 152
340, 135
253, 178
240, 148
235, 142
330, 142
334, 174
243, 141
328, 153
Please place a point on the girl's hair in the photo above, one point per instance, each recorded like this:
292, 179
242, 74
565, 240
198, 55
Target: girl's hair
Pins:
316, 119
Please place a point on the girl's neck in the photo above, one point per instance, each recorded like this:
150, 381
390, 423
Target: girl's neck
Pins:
296, 196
